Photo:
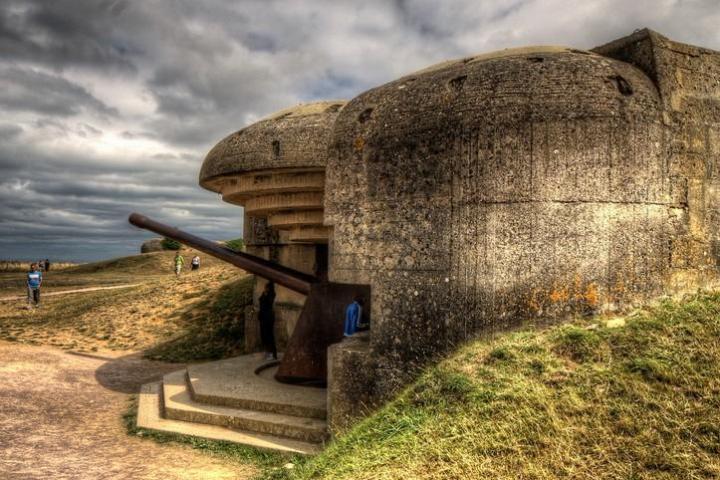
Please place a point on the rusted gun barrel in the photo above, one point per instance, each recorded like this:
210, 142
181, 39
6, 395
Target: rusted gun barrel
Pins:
321, 320
287, 277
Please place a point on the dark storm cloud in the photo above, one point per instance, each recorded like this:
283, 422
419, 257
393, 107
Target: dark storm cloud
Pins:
31, 90
62, 33
8, 132
110, 106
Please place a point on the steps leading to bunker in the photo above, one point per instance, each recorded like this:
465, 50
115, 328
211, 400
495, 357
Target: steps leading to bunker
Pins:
150, 416
180, 405
219, 383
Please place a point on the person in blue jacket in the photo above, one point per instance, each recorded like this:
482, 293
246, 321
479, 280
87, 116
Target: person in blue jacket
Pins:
353, 317
34, 280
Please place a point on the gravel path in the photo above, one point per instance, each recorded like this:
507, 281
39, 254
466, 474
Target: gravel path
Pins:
60, 418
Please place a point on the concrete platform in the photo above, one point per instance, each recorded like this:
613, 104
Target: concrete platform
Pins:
237, 400
150, 417
180, 405
232, 383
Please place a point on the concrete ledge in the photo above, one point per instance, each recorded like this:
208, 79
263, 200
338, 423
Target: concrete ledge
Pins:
149, 417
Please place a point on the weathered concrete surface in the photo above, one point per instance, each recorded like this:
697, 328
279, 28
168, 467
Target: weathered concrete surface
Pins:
60, 418
532, 183
351, 381
687, 80
233, 383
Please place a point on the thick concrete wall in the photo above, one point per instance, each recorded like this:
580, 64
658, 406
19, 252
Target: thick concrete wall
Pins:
490, 190
687, 80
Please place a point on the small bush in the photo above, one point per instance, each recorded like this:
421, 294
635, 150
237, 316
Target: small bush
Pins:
170, 244
502, 354
237, 244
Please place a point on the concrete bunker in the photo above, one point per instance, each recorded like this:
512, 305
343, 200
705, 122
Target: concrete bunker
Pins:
534, 183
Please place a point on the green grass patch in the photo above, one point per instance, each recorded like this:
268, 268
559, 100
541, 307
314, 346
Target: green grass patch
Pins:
579, 401
214, 326
271, 465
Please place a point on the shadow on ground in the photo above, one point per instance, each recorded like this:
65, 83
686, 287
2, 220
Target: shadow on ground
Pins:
127, 373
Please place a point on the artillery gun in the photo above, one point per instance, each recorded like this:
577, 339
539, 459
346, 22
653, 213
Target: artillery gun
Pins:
321, 320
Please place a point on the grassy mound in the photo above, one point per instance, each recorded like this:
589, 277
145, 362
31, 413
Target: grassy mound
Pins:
639, 400
196, 316
148, 263
214, 327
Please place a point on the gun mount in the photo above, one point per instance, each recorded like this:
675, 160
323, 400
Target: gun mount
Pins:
321, 321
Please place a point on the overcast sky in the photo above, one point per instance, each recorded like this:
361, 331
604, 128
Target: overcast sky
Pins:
109, 106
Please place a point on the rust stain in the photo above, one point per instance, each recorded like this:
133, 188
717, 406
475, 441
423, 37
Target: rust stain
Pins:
359, 144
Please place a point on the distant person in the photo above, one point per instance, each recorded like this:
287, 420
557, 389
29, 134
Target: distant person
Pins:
195, 262
40, 264
266, 316
47, 264
353, 317
179, 262
34, 280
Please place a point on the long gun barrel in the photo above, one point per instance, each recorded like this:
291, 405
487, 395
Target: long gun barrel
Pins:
320, 323
287, 277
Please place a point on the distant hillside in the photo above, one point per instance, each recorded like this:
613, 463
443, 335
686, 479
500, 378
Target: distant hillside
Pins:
199, 315
594, 400
150, 263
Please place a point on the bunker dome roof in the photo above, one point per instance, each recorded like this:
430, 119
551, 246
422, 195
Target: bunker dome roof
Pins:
509, 88
296, 137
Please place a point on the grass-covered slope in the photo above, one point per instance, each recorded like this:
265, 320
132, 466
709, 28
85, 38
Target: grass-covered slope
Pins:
197, 316
584, 401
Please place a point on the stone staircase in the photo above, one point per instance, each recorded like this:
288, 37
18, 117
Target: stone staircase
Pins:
237, 400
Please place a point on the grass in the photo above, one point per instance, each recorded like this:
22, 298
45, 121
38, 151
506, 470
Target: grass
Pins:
24, 266
197, 316
214, 332
271, 465
580, 401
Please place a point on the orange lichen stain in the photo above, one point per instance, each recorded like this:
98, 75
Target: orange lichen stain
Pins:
559, 294
619, 289
533, 301
359, 144
591, 294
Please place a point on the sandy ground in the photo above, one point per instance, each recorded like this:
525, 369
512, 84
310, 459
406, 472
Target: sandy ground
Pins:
60, 418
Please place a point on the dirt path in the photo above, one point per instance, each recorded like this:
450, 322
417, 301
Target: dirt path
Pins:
60, 418
65, 292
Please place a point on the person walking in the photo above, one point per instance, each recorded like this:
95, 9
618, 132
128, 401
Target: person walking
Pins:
34, 280
266, 316
47, 264
179, 262
195, 263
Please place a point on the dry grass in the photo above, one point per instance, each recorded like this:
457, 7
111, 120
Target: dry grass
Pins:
582, 401
20, 266
196, 316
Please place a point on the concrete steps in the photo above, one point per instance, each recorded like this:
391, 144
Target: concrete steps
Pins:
179, 405
220, 383
150, 417
237, 400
